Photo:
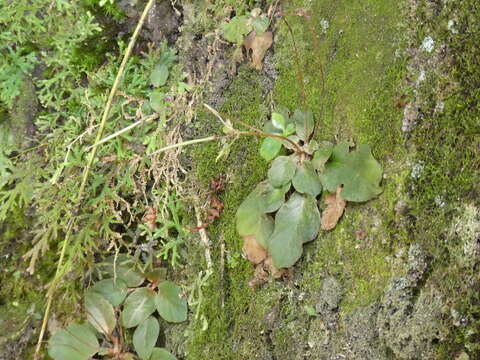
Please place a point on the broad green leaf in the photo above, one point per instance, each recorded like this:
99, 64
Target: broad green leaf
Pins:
306, 180
123, 268
159, 75
157, 102
274, 197
145, 337
170, 305
289, 130
250, 216
260, 24
321, 156
236, 29
358, 172
278, 121
161, 354
281, 171
100, 312
270, 148
76, 342
304, 123
297, 222
271, 129
114, 291
138, 306
283, 110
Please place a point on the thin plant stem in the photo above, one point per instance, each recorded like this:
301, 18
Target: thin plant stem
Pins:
185, 143
300, 78
86, 173
122, 131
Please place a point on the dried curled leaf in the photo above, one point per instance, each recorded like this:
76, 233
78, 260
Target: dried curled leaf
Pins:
258, 44
150, 218
335, 207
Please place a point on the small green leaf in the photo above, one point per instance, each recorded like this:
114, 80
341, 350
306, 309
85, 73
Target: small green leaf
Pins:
236, 29
271, 129
138, 306
161, 354
290, 129
304, 123
321, 156
156, 275
100, 312
358, 172
123, 267
250, 216
270, 148
296, 223
281, 171
145, 337
76, 342
159, 75
157, 101
306, 180
260, 24
170, 305
278, 121
114, 291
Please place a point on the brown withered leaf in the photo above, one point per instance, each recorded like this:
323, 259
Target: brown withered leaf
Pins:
335, 207
258, 44
260, 277
252, 250
150, 218
275, 272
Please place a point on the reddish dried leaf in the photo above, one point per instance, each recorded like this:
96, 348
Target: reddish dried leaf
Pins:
258, 44
335, 207
252, 250
150, 218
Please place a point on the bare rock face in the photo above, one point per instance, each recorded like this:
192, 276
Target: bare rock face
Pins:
409, 322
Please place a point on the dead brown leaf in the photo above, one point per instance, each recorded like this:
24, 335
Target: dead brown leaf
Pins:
335, 207
260, 277
275, 272
252, 250
258, 44
150, 218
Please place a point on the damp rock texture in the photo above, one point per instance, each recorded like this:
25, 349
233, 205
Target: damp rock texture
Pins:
409, 320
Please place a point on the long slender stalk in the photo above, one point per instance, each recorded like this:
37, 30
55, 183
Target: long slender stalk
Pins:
86, 174
185, 143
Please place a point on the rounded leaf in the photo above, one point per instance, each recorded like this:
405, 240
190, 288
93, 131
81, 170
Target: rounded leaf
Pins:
76, 342
113, 290
159, 75
170, 305
278, 121
358, 172
161, 354
138, 306
145, 337
282, 171
270, 148
100, 312
321, 156
304, 123
297, 222
123, 267
306, 180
